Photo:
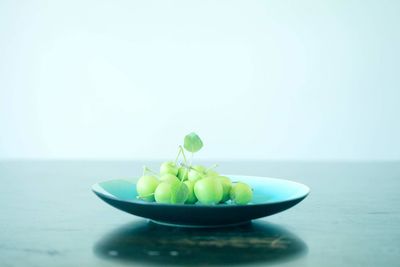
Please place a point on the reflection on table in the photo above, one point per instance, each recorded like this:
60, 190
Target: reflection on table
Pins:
148, 242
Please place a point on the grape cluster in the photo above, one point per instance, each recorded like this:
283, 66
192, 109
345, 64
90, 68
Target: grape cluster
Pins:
189, 184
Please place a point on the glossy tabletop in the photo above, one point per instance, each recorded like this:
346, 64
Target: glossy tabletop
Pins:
50, 217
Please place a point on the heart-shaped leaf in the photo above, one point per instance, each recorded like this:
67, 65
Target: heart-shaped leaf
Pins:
180, 193
192, 142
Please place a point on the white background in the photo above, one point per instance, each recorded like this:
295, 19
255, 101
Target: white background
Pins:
307, 80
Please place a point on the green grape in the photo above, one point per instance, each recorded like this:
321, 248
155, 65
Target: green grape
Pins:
169, 167
163, 193
199, 168
171, 193
146, 186
191, 199
197, 172
183, 173
195, 175
169, 178
241, 193
226, 187
208, 190
212, 173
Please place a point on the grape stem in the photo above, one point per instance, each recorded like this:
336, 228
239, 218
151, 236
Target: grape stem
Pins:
212, 167
177, 156
180, 151
191, 159
141, 197
144, 170
183, 154
148, 170
188, 167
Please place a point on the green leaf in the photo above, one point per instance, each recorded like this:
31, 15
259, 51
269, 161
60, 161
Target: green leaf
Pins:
180, 193
192, 142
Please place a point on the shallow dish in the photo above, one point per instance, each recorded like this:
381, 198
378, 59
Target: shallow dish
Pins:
270, 196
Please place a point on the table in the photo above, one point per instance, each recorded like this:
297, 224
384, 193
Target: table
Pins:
50, 217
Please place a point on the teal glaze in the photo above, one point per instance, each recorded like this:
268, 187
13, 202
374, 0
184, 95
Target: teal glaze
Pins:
119, 188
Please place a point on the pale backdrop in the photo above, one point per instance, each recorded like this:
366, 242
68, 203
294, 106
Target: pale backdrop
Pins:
307, 80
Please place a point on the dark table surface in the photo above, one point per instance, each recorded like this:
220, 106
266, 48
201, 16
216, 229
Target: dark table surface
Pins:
50, 217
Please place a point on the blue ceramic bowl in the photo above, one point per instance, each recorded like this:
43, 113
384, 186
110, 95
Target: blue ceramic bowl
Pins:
270, 196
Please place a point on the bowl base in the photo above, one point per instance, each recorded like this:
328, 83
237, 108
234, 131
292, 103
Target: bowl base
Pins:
198, 226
